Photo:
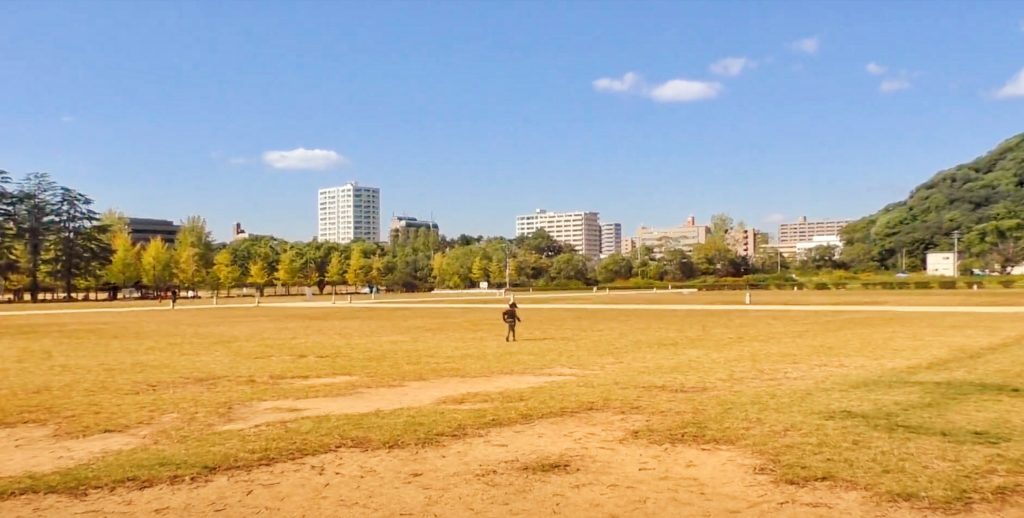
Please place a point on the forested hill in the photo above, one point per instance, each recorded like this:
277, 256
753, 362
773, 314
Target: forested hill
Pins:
983, 199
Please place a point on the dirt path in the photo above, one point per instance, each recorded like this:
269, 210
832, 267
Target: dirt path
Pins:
415, 303
575, 466
680, 307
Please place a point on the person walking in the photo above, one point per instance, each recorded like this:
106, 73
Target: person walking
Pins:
510, 317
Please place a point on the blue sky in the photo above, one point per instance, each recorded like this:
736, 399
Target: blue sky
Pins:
477, 112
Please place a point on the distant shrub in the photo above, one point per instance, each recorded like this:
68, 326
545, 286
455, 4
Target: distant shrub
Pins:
886, 285
1008, 283
821, 286
947, 285
922, 285
972, 284
839, 285
844, 276
869, 285
562, 285
901, 285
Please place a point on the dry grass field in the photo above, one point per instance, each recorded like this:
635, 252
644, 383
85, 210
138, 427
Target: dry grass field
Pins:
907, 410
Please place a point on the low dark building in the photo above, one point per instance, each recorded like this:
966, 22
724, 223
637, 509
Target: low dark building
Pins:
402, 225
143, 230
400, 222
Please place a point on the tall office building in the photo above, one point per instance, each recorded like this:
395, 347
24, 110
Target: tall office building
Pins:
804, 231
580, 229
611, 239
348, 212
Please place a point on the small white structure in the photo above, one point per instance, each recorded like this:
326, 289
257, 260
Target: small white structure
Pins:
940, 263
803, 247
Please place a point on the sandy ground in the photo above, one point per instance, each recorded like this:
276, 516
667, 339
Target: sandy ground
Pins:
417, 393
575, 466
26, 449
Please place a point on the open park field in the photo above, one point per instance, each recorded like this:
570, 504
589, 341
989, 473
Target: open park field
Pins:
382, 410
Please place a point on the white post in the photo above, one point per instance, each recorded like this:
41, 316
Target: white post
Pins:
214, 299
334, 296
606, 291
956, 253
350, 299
747, 299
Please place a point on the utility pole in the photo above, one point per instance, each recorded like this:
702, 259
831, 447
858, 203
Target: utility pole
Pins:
508, 265
778, 259
956, 253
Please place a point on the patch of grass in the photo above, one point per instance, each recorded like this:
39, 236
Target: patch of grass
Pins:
551, 464
910, 406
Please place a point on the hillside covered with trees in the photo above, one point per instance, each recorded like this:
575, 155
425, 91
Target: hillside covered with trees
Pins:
982, 199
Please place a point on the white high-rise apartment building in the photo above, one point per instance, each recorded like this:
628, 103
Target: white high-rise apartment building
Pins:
611, 239
580, 229
804, 230
348, 212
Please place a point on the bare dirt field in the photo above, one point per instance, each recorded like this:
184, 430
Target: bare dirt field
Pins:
420, 411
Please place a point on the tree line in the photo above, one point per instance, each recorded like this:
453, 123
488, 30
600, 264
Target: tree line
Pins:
53, 241
982, 200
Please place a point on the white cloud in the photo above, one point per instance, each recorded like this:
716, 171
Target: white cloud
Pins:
893, 85
875, 69
1013, 88
731, 67
304, 159
806, 45
684, 90
631, 81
